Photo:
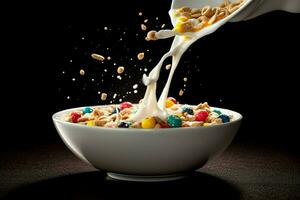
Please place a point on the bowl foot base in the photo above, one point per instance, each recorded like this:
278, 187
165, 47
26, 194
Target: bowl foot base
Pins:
125, 177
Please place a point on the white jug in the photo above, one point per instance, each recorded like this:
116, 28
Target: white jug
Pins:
259, 7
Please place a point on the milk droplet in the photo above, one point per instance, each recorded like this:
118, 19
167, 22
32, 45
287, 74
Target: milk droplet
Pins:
135, 86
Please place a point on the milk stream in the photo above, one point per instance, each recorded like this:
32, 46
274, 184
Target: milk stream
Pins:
149, 105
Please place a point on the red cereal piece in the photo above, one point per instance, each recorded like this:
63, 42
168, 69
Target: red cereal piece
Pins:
164, 125
172, 99
75, 116
201, 115
125, 105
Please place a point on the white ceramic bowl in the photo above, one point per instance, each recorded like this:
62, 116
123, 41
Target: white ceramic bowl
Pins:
146, 154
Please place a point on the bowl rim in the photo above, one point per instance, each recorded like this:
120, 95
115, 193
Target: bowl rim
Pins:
56, 117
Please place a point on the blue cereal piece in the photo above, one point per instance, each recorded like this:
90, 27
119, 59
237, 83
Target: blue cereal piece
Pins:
87, 110
187, 109
124, 125
225, 118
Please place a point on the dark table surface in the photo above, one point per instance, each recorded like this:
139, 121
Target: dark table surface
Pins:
243, 171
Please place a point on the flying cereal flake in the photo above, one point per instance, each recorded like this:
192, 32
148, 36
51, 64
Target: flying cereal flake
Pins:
105, 28
151, 35
143, 27
185, 79
97, 57
140, 13
120, 70
181, 92
140, 56
115, 95
146, 20
168, 66
119, 77
103, 96
82, 72
163, 25
108, 58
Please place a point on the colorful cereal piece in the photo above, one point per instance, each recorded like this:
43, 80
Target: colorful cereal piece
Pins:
125, 105
218, 112
75, 116
148, 122
187, 109
90, 123
124, 125
174, 121
201, 115
87, 110
169, 103
178, 114
172, 99
164, 125
225, 118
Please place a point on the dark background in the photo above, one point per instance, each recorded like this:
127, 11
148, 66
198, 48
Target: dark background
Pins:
249, 66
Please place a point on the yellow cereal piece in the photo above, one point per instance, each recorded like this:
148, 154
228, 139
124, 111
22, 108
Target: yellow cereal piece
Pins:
91, 123
182, 19
178, 27
148, 122
169, 103
206, 124
178, 114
